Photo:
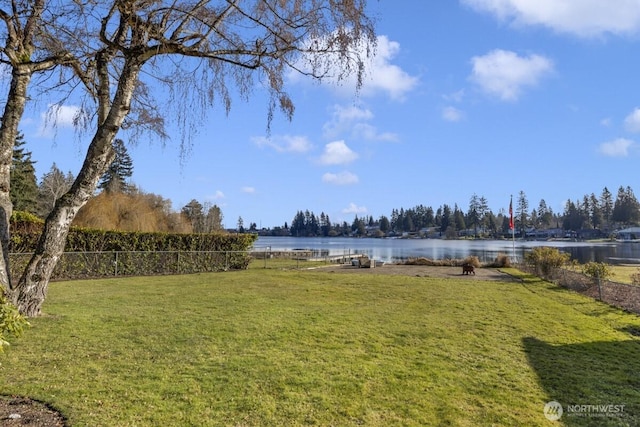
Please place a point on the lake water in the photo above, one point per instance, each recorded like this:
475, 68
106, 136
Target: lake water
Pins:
390, 250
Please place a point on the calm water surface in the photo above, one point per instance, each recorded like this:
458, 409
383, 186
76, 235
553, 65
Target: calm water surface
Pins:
390, 250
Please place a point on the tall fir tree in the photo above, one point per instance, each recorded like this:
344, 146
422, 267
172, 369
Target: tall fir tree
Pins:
120, 170
24, 185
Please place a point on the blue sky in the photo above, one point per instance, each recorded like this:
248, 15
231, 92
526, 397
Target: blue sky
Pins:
485, 97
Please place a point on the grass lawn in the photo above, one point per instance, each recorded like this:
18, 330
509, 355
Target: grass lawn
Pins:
266, 347
624, 273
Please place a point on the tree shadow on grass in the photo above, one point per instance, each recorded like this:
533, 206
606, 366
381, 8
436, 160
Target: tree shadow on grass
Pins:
579, 376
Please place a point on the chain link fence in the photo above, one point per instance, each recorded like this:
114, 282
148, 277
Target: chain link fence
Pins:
621, 295
90, 265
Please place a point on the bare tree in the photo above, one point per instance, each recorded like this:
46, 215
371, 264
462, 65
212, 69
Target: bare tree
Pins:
24, 54
225, 47
52, 186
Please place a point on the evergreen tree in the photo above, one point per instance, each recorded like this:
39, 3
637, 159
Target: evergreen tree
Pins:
394, 220
408, 223
458, 219
384, 224
359, 226
445, 218
297, 226
545, 214
194, 212
120, 170
24, 185
626, 210
575, 216
606, 205
325, 225
473, 215
213, 220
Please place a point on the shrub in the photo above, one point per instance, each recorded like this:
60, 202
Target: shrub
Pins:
502, 261
11, 321
545, 259
597, 270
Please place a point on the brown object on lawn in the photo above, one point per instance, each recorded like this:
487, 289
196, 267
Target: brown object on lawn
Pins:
468, 269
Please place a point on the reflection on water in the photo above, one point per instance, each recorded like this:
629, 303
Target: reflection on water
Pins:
390, 250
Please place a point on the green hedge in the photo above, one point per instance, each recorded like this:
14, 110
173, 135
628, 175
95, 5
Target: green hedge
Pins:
100, 253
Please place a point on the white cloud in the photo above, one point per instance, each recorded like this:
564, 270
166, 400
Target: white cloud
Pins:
632, 121
342, 178
381, 75
353, 121
369, 132
343, 118
616, 148
582, 18
217, 196
248, 190
284, 143
337, 153
505, 74
59, 116
385, 77
354, 209
455, 96
452, 114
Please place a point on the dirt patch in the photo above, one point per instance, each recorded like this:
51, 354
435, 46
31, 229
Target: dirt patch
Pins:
423, 271
22, 411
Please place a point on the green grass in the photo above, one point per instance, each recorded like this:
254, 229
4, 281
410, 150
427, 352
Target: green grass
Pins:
624, 273
267, 347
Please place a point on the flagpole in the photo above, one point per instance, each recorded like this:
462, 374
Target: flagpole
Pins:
513, 230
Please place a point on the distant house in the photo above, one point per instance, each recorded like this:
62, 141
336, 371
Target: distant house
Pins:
590, 233
544, 234
631, 234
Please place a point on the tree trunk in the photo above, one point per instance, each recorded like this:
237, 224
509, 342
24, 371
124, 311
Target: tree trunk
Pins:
13, 111
31, 289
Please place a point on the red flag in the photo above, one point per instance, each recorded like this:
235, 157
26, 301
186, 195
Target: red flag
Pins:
511, 214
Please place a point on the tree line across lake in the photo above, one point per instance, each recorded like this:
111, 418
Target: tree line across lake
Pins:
591, 212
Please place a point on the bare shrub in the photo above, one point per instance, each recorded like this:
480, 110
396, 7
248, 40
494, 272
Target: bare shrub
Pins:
502, 261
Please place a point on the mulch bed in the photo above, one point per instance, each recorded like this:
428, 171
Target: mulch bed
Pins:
22, 411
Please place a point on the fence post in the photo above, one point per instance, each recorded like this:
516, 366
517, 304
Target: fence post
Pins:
599, 285
115, 264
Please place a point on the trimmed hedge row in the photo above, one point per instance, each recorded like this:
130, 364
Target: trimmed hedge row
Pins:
100, 253
80, 240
